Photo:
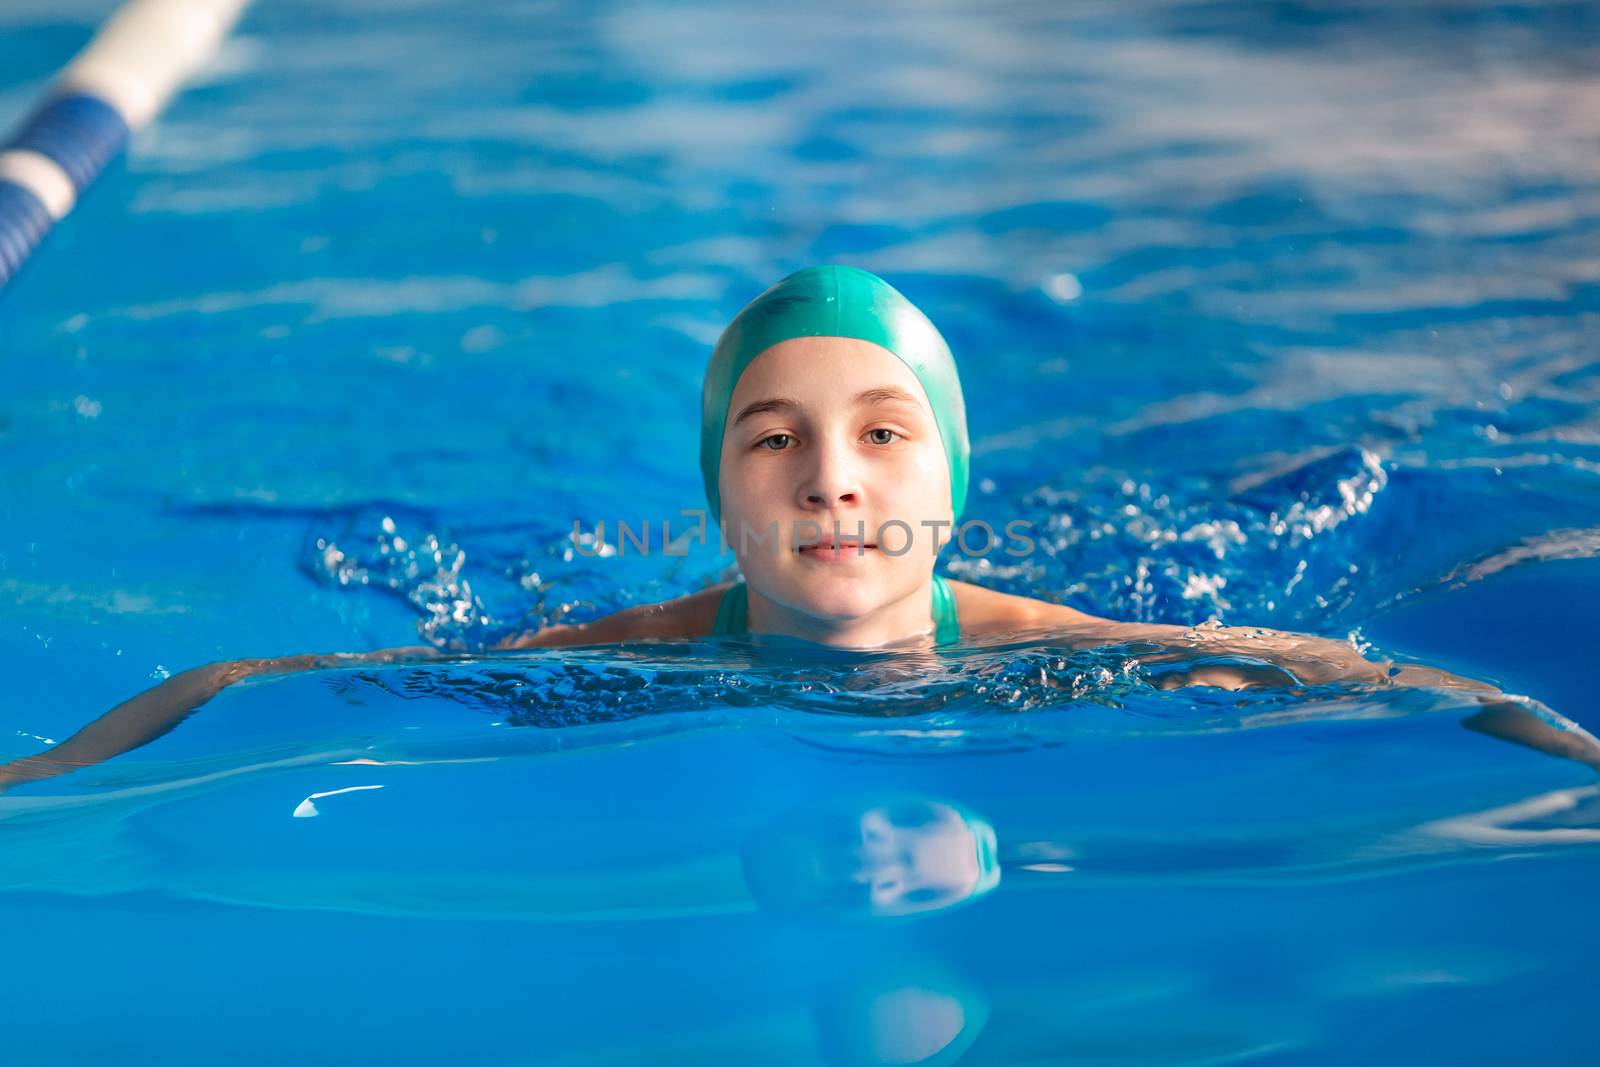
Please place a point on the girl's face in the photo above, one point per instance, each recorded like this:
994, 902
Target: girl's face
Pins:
826, 430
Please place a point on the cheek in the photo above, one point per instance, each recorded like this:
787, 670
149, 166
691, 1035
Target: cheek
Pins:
745, 489
732, 479
921, 484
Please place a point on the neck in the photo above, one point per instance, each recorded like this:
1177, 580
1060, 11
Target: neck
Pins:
907, 620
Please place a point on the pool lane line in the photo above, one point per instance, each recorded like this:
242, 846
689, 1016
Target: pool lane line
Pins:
115, 86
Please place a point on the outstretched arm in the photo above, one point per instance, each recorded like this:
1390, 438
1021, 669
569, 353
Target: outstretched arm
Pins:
1289, 659
158, 710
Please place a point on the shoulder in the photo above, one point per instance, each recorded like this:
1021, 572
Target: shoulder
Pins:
989, 611
685, 616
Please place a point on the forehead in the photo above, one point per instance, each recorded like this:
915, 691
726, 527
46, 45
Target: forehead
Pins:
820, 370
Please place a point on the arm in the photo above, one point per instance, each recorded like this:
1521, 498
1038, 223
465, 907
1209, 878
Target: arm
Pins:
691, 615
606, 630
1282, 658
156, 711
1297, 658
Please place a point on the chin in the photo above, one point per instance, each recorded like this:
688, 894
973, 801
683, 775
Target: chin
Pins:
839, 601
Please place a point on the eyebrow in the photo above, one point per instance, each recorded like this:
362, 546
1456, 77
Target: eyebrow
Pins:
884, 394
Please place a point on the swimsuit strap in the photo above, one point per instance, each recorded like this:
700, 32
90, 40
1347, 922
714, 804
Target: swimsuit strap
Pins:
733, 613
946, 624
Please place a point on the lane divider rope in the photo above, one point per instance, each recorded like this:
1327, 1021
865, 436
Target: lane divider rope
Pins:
115, 86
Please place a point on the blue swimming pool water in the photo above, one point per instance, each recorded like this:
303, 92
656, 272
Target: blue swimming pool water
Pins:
1279, 314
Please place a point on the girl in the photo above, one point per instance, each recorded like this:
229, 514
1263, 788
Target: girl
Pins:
834, 452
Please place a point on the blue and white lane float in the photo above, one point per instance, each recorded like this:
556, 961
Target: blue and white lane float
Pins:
139, 59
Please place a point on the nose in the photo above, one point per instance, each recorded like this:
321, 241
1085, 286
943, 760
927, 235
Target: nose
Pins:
833, 478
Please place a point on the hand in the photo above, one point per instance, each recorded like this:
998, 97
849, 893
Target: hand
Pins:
1531, 723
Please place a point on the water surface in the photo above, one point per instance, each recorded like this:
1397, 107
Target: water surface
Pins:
1275, 314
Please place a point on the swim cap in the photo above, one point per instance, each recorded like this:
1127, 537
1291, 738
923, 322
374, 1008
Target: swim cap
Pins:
835, 301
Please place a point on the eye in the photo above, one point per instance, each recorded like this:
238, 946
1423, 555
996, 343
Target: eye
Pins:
873, 434
783, 440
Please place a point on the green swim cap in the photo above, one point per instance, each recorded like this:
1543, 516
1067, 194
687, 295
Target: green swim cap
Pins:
835, 301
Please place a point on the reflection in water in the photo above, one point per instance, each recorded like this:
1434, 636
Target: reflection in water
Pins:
824, 862
892, 859
908, 1010
876, 858
307, 808
1568, 816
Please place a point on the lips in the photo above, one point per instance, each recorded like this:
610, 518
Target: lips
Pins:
831, 550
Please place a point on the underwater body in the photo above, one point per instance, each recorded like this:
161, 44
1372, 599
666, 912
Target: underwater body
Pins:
1274, 315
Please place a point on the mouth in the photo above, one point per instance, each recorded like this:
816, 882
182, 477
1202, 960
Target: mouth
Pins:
833, 551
